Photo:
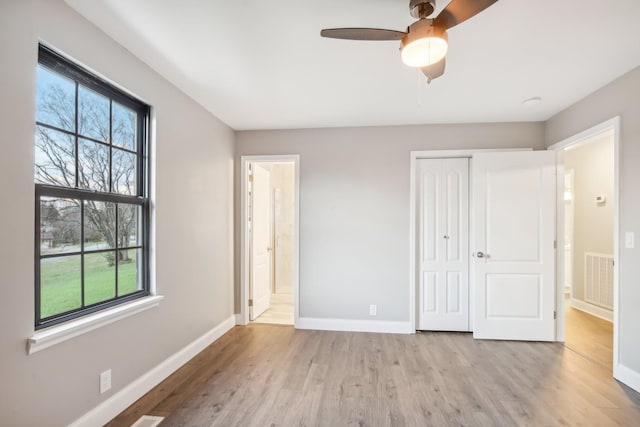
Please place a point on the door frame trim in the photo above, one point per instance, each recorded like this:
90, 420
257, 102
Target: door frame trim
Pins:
438, 154
243, 317
612, 124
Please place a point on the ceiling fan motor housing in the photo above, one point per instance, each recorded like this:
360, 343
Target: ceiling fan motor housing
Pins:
421, 8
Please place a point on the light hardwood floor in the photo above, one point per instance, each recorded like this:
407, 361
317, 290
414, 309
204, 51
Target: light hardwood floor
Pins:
268, 375
280, 311
589, 335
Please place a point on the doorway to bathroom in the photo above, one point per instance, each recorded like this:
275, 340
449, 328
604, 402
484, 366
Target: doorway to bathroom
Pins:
270, 250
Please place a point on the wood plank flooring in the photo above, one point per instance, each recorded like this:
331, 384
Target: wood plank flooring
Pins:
269, 375
589, 335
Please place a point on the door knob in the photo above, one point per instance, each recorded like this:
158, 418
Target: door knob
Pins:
479, 254
445, 237
269, 248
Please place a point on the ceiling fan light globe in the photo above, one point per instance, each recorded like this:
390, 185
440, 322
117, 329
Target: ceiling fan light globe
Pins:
424, 52
424, 45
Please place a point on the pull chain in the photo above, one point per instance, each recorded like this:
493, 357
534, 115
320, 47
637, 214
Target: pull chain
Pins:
419, 74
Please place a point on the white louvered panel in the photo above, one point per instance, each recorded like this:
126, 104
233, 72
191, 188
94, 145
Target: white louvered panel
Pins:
598, 279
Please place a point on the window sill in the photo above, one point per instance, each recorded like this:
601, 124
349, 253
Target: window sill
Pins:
63, 332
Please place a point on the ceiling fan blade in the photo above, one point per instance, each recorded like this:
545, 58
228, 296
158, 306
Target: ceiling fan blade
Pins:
434, 71
459, 11
374, 34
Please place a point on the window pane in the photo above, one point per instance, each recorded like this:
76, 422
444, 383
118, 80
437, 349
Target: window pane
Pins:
129, 271
124, 172
56, 100
129, 231
93, 118
60, 286
99, 277
125, 127
55, 162
59, 225
99, 225
93, 166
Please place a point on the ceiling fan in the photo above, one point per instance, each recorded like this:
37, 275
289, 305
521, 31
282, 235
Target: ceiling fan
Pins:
424, 44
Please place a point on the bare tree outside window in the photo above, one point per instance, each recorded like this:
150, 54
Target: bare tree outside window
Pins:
100, 167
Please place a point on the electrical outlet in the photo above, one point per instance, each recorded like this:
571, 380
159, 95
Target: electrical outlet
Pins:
629, 240
105, 381
373, 309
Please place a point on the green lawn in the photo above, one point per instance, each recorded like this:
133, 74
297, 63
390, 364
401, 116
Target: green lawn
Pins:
61, 287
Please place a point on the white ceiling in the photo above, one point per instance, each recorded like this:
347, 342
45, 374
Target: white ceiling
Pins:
260, 64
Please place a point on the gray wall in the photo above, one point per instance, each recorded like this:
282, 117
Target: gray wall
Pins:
619, 98
194, 160
354, 207
592, 164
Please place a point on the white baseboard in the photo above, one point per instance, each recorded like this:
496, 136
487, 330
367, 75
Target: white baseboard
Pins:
351, 325
594, 310
121, 400
627, 376
239, 319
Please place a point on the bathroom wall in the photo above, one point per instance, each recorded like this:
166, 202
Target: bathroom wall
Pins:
283, 190
592, 165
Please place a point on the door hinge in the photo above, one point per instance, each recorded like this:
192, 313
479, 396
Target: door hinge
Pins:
250, 303
555, 244
555, 315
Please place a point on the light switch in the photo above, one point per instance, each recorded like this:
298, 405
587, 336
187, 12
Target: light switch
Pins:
629, 240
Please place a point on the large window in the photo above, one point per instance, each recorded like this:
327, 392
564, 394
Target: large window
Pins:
91, 191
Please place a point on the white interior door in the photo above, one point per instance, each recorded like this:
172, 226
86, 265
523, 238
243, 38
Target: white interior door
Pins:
443, 203
513, 243
260, 272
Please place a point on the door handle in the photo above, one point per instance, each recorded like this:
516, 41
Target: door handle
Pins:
269, 248
445, 237
480, 254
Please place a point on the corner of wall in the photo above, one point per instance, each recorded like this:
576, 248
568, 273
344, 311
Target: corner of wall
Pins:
117, 403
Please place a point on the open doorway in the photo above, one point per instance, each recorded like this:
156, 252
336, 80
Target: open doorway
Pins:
588, 249
269, 239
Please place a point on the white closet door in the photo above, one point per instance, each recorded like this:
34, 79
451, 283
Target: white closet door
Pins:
443, 216
513, 244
